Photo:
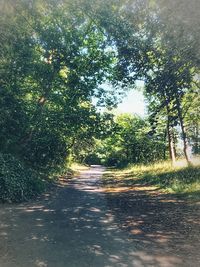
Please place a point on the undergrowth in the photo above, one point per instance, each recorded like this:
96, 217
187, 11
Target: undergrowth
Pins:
17, 181
180, 179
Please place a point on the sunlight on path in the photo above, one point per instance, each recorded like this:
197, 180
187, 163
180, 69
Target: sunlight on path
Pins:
75, 227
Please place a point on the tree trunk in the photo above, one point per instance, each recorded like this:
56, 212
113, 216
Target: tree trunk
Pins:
196, 139
164, 150
170, 136
184, 135
185, 143
174, 143
171, 144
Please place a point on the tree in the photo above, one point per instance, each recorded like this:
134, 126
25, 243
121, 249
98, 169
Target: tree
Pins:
147, 47
191, 115
54, 61
130, 142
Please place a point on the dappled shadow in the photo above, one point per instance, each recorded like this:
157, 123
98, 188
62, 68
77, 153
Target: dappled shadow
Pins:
165, 228
82, 225
71, 227
178, 179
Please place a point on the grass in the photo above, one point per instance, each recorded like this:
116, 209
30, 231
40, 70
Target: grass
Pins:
179, 179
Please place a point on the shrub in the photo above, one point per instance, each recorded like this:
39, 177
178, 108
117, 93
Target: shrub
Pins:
17, 182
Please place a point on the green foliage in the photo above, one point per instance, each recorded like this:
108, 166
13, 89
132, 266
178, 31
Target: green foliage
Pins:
192, 117
153, 173
129, 142
51, 68
56, 57
180, 180
17, 181
154, 44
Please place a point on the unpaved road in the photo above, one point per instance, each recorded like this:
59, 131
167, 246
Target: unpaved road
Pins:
77, 227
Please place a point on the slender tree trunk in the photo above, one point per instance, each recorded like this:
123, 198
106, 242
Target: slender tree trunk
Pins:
185, 143
164, 150
170, 136
171, 144
184, 135
196, 139
174, 143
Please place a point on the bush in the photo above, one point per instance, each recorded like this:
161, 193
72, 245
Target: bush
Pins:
117, 159
17, 182
92, 159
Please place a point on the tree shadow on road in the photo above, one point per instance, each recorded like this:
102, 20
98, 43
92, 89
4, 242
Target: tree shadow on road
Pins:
82, 225
164, 227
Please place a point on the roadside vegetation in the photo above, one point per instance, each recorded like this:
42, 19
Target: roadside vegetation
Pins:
18, 182
65, 66
180, 180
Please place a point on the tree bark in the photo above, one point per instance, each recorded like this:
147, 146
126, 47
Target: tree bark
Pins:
164, 150
196, 139
184, 135
170, 135
171, 143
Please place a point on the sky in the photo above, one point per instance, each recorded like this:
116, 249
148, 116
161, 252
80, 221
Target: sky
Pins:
133, 103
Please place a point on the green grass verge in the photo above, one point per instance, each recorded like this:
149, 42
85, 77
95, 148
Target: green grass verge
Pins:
180, 180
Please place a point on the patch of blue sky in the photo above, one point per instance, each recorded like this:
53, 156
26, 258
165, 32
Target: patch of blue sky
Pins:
132, 101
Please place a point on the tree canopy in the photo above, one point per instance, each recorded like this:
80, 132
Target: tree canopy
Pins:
57, 56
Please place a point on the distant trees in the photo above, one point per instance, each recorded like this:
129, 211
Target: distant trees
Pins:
156, 42
130, 142
191, 114
55, 57
174, 71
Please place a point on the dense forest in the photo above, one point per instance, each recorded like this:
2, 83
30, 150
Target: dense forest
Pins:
65, 66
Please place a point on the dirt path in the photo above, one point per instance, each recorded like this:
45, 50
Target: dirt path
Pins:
81, 225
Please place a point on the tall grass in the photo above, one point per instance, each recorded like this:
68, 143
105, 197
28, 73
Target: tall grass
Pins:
178, 179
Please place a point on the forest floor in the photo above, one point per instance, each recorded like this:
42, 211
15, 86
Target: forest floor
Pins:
84, 222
